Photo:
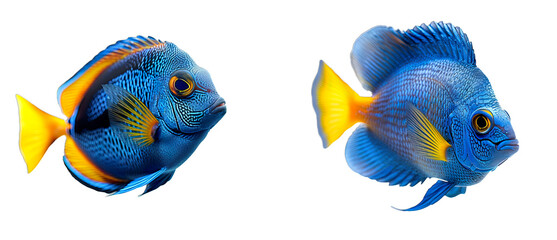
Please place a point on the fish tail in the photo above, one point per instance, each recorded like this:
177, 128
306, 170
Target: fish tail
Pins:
38, 130
336, 105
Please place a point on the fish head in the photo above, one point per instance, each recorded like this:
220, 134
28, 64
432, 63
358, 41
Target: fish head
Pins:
187, 101
483, 137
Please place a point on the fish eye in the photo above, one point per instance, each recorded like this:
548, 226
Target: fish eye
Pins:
481, 122
181, 85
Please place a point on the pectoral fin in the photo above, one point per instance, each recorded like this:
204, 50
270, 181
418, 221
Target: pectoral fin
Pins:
129, 114
427, 141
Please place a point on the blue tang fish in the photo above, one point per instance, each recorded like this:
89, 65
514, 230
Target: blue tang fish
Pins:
433, 113
135, 113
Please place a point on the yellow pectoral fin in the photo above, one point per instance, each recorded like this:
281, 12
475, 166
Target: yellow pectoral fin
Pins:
38, 130
337, 106
130, 115
427, 141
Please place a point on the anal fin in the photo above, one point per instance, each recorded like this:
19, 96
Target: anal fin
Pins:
159, 181
371, 158
99, 186
433, 195
83, 170
141, 181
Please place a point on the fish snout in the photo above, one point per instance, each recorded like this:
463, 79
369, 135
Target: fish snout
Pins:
213, 114
505, 149
508, 145
218, 107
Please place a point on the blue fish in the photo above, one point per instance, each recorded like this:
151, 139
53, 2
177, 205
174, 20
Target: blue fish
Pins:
136, 112
433, 113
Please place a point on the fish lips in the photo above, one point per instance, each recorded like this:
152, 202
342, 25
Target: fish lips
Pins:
213, 114
505, 149
508, 145
218, 107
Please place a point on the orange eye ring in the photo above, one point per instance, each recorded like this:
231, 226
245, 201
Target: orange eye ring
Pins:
181, 87
481, 123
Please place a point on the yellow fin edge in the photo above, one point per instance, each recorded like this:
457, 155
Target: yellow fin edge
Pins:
83, 165
72, 95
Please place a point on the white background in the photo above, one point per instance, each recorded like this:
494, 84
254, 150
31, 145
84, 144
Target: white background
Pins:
262, 172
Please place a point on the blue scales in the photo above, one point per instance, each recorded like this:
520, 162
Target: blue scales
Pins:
136, 112
433, 113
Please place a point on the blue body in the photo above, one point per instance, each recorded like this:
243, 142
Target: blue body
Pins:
447, 93
182, 122
431, 68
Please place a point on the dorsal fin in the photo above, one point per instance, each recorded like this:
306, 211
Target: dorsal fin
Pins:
380, 51
72, 91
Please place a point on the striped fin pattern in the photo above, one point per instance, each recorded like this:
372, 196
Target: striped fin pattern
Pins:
427, 141
128, 113
381, 51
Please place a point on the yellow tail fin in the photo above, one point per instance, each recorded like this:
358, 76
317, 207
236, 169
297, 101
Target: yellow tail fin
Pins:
337, 106
38, 130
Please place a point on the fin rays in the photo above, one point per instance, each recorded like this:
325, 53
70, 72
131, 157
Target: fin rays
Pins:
427, 140
336, 105
38, 130
128, 113
380, 51
369, 157
433, 195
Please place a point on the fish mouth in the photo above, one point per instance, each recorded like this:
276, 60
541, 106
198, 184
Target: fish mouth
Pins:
511, 144
218, 106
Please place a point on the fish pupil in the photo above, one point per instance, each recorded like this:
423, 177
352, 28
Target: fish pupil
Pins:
481, 122
181, 85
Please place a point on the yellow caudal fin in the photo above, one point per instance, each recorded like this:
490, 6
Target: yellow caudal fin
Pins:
38, 130
336, 105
